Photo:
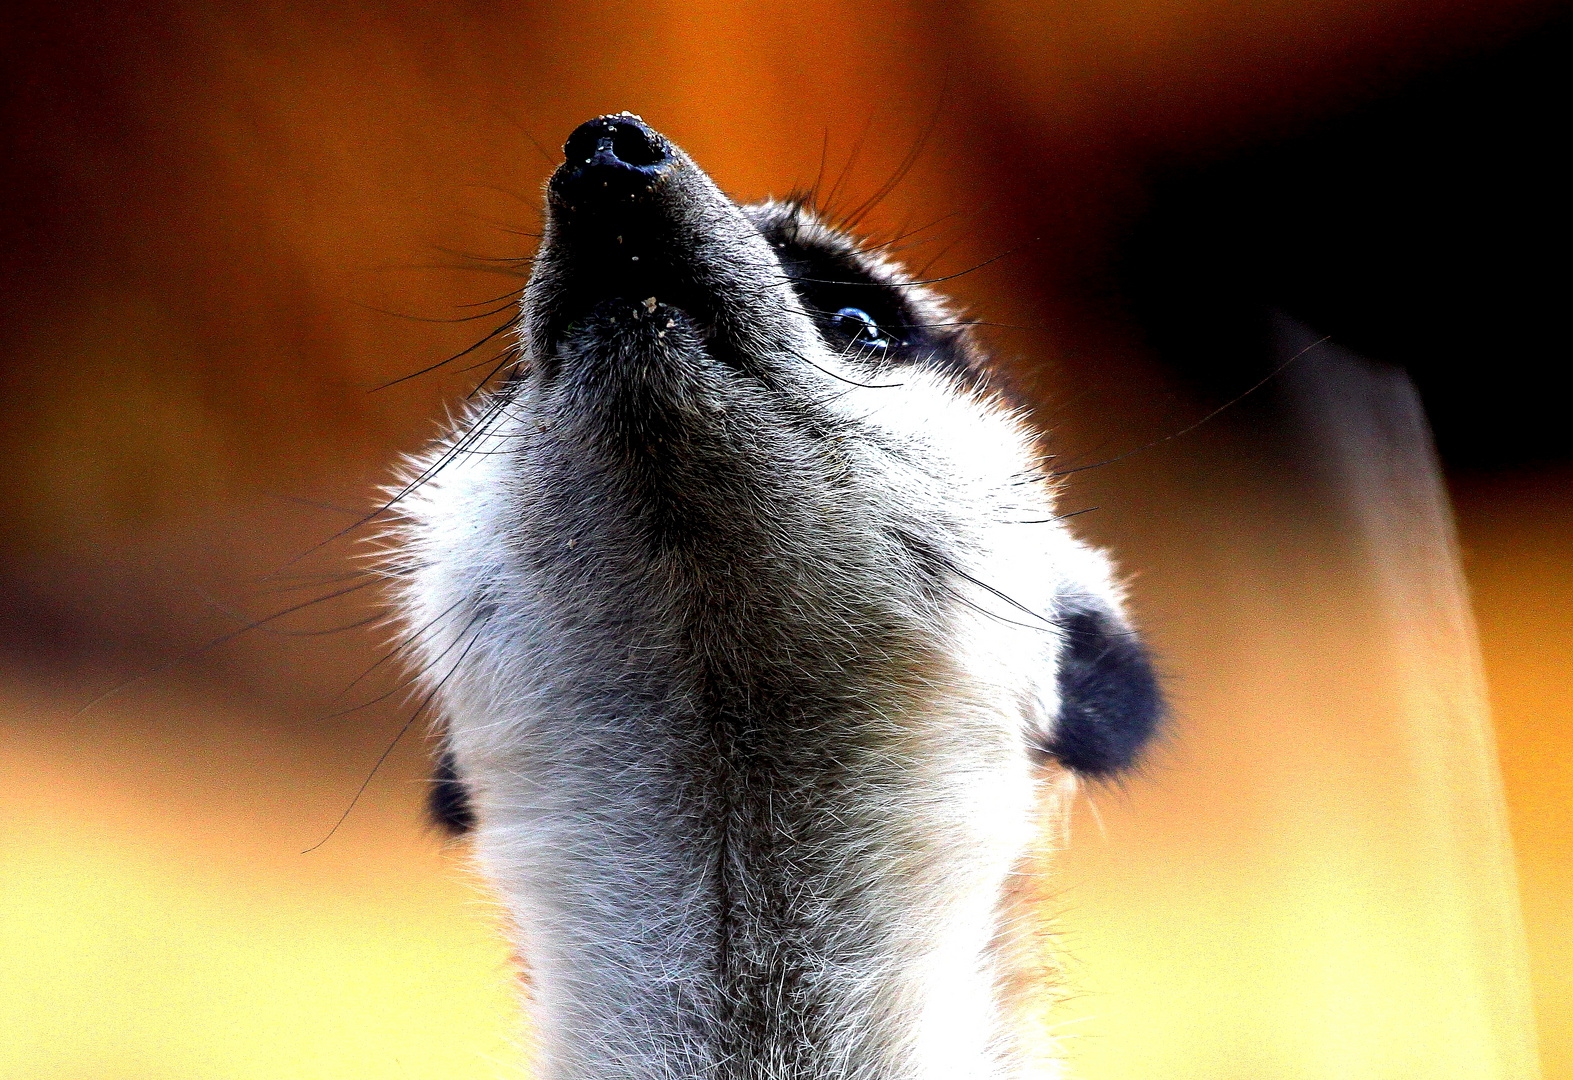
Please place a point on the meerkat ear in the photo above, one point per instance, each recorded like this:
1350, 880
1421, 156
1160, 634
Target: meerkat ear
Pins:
1110, 705
448, 800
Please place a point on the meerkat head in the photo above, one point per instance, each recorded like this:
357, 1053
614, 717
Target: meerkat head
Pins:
754, 627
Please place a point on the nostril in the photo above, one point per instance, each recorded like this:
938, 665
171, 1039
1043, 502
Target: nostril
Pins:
632, 144
580, 147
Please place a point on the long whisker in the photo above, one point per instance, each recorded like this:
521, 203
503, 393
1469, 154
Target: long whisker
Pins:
223, 639
1263, 381
473, 632
852, 220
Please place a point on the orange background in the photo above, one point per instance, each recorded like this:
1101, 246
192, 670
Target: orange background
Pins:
228, 223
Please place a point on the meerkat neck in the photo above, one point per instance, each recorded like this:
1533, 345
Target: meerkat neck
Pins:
713, 903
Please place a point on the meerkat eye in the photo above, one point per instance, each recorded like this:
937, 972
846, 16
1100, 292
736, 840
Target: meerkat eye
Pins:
859, 326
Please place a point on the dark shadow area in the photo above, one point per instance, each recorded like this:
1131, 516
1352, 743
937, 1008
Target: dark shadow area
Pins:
1428, 228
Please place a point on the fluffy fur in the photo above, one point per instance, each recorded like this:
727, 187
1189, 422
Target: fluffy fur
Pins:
752, 629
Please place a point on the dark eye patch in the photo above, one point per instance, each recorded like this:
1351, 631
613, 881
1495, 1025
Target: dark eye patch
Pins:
881, 322
828, 297
833, 286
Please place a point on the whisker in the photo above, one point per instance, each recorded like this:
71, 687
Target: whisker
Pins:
223, 639
1263, 381
416, 715
852, 220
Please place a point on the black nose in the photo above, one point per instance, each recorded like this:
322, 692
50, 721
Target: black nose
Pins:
609, 157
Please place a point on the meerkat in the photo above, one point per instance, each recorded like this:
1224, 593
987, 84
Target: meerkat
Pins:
756, 641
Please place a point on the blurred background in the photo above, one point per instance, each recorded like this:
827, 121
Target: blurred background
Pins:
228, 226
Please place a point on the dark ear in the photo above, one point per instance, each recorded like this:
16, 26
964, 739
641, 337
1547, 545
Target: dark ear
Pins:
1110, 704
448, 801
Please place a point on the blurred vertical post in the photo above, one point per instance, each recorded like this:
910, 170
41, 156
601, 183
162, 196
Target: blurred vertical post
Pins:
1366, 434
